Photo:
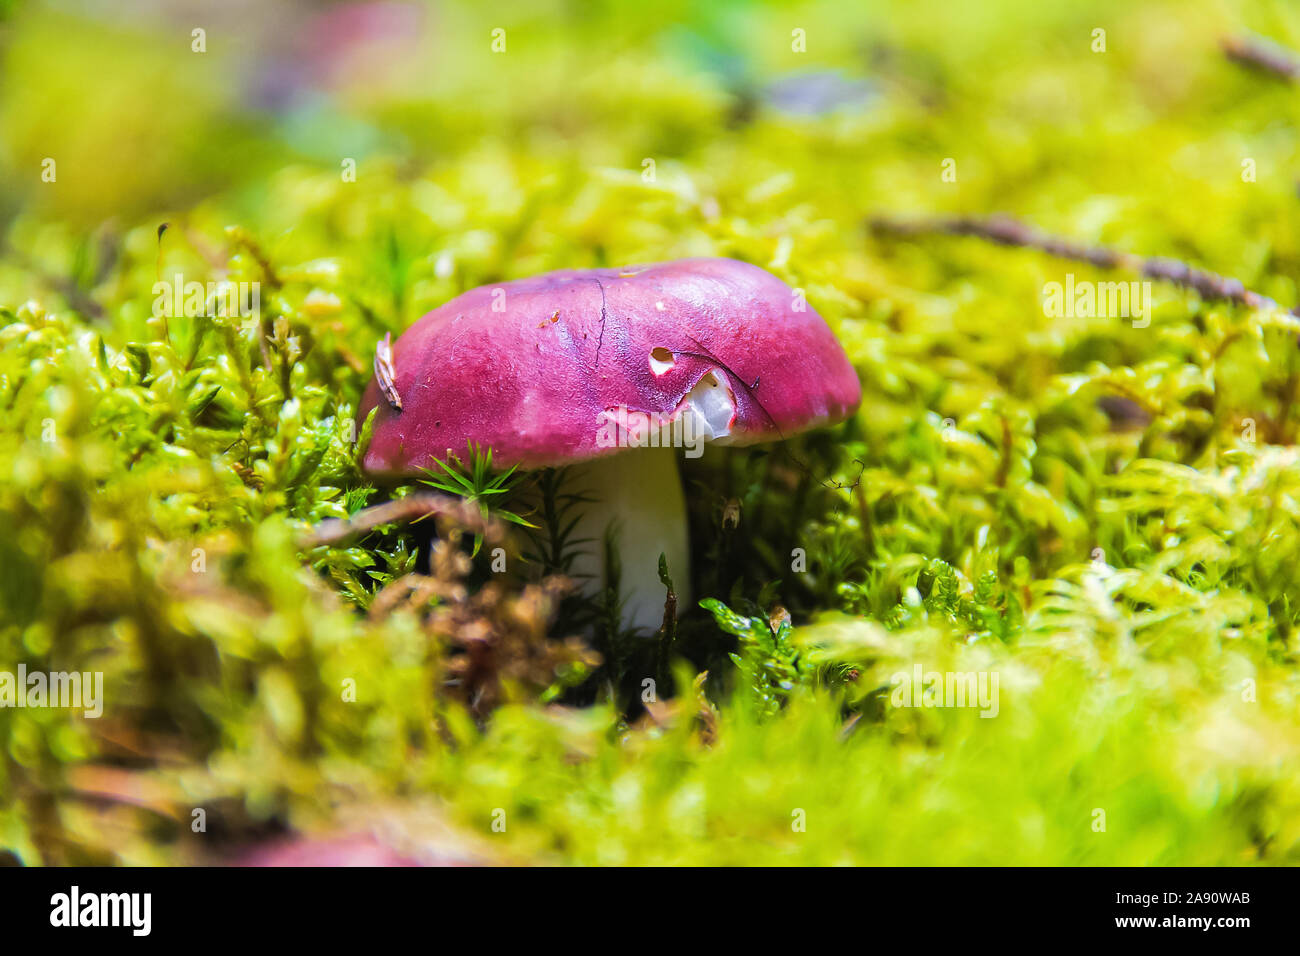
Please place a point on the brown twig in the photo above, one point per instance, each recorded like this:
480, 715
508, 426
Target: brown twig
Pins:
78, 298
462, 513
1263, 55
1011, 232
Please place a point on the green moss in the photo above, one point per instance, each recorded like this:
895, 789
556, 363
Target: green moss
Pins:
1131, 579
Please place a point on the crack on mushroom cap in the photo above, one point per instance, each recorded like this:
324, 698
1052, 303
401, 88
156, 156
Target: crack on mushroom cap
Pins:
706, 413
713, 404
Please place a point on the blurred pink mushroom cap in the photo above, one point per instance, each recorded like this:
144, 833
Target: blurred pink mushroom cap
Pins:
353, 850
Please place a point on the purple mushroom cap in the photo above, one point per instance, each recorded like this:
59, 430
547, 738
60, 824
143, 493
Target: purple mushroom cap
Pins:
349, 850
536, 367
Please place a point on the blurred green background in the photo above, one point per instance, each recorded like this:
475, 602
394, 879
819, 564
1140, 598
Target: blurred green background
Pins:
1154, 680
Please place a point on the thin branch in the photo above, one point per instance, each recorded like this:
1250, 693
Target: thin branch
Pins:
458, 511
1011, 232
1263, 55
76, 297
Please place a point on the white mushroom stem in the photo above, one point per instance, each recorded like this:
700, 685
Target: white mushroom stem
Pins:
638, 492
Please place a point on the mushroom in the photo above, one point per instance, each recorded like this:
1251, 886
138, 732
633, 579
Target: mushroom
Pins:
620, 371
334, 851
